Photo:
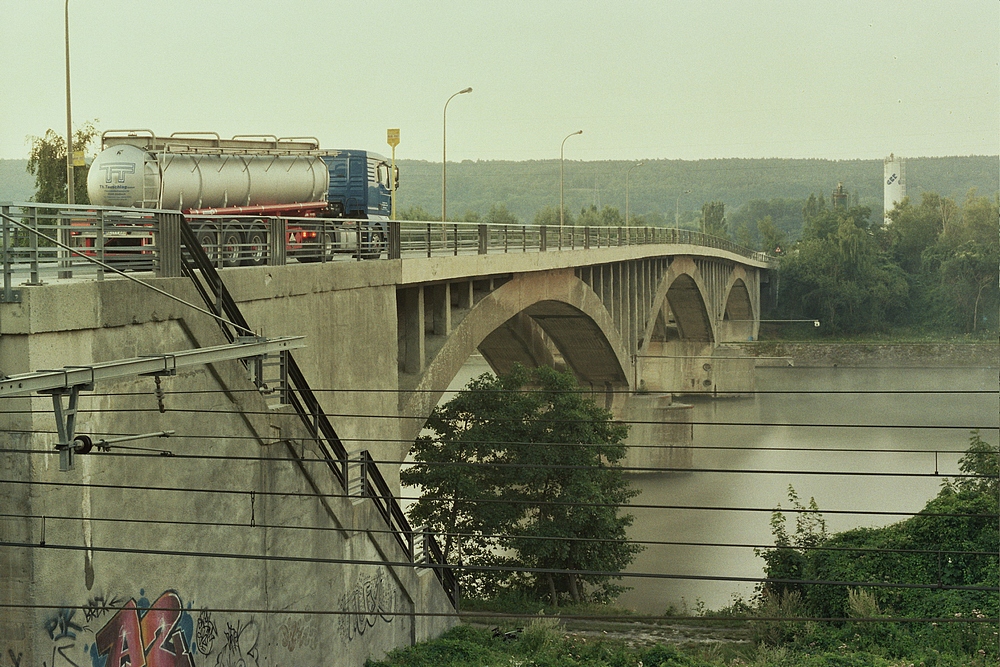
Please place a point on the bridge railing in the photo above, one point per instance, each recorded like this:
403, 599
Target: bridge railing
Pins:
51, 241
436, 239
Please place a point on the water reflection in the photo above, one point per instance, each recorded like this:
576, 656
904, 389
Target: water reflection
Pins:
758, 448
881, 413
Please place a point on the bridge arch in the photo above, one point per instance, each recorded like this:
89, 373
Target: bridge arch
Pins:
522, 321
740, 316
680, 307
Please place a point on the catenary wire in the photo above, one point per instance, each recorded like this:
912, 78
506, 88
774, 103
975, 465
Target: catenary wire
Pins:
548, 538
694, 447
424, 418
535, 503
483, 568
625, 392
508, 615
161, 453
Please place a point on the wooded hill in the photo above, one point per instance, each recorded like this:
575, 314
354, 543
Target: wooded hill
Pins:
655, 190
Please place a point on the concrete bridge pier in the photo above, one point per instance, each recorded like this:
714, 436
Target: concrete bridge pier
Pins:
660, 433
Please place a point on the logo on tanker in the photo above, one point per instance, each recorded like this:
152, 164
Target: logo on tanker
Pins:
116, 171
115, 188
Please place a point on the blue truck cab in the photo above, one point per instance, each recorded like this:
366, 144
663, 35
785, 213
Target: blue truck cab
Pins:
359, 184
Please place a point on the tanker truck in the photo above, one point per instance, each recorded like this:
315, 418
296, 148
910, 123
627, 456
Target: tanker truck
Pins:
336, 201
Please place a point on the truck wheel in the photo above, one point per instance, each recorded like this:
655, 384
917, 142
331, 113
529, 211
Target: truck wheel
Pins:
329, 245
255, 251
208, 239
373, 245
232, 244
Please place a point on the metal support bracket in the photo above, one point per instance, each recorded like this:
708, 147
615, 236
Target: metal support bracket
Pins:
66, 422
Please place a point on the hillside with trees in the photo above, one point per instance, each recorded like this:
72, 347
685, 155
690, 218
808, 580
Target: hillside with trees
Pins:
933, 267
660, 192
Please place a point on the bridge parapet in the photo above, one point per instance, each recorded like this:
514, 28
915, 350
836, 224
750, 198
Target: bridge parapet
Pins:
58, 241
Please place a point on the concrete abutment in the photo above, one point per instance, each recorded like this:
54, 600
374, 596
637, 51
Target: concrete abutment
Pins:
275, 535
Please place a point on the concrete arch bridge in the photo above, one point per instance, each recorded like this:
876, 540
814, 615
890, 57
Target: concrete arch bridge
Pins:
649, 319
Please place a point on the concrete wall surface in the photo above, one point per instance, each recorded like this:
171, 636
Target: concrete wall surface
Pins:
238, 549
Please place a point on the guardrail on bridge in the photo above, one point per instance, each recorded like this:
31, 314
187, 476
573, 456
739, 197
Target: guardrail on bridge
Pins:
57, 241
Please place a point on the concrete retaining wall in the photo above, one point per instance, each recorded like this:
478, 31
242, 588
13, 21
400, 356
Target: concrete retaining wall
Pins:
243, 556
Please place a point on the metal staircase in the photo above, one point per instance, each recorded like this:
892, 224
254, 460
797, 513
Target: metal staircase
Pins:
420, 546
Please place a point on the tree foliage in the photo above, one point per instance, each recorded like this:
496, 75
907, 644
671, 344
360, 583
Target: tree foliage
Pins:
838, 274
713, 219
952, 542
608, 216
523, 471
47, 163
500, 215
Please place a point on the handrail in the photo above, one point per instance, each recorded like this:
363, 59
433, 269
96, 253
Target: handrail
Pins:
307, 406
300, 396
374, 486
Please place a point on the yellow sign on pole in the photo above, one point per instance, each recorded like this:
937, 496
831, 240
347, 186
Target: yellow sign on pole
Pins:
392, 138
79, 159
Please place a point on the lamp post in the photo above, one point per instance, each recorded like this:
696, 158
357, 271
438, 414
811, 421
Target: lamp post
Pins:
70, 185
677, 208
444, 155
562, 206
627, 173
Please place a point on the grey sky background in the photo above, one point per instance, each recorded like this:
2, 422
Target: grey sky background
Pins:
674, 80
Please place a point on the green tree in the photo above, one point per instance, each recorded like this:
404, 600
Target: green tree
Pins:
499, 215
549, 216
773, 239
609, 216
416, 213
713, 219
47, 163
838, 274
527, 466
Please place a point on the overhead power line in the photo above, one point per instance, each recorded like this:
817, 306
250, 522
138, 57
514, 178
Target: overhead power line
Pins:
547, 538
537, 503
630, 618
424, 418
601, 392
505, 443
159, 453
485, 568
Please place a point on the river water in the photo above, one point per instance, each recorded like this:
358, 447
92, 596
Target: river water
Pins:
813, 422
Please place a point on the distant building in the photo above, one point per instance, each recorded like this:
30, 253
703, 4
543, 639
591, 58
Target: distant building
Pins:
839, 197
894, 182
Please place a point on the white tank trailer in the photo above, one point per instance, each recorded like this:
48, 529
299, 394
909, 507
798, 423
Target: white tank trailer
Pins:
185, 174
894, 182
228, 188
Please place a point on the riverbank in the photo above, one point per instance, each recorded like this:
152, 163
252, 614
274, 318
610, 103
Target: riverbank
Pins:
876, 355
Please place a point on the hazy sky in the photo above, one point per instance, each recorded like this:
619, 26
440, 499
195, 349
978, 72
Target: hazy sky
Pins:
667, 79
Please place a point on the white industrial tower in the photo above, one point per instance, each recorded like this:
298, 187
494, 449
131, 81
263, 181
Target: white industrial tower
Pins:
894, 182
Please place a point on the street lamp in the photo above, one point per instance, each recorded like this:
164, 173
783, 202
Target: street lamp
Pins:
627, 173
562, 147
677, 208
444, 155
70, 185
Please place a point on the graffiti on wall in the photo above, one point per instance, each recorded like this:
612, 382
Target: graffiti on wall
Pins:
62, 628
206, 632
373, 599
298, 633
157, 635
15, 658
240, 649
99, 606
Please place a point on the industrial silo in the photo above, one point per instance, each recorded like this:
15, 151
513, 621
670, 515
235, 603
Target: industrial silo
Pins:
894, 182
